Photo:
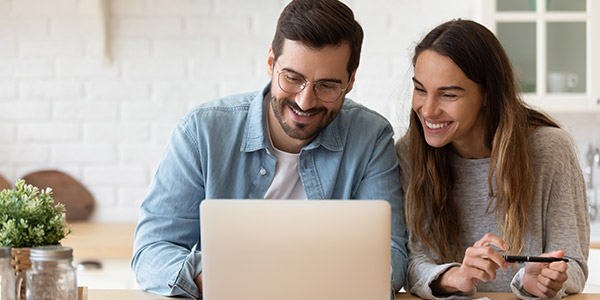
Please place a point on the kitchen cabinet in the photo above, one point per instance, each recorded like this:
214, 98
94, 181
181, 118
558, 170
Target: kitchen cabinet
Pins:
553, 45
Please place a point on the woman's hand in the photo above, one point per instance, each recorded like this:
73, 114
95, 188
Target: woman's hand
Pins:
480, 264
544, 280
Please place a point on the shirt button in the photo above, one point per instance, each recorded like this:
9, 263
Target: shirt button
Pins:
263, 171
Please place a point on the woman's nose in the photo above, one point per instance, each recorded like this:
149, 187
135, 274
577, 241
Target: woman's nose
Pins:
430, 107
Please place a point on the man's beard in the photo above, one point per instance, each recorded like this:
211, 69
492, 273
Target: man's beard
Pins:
300, 131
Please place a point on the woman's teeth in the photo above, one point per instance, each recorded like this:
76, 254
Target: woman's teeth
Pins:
436, 126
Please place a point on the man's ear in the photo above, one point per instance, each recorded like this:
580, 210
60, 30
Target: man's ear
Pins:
351, 83
270, 62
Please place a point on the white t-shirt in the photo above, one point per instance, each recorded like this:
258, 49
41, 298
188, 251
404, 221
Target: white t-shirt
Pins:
286, 182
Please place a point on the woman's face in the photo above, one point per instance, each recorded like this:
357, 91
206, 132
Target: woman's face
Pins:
449, 105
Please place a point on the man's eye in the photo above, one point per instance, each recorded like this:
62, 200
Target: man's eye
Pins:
294, 79
449, 96
326, 86
419, 90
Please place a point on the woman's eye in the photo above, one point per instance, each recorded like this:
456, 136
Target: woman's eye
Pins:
419, 90
449, 96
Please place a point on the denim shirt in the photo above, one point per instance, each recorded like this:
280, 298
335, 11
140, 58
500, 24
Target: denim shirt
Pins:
219, 150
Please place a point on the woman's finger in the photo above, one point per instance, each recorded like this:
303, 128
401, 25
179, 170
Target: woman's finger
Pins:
491, 239
479, 258
548, 292
549, 283
559, 266
489, 254
558, 274
474, 274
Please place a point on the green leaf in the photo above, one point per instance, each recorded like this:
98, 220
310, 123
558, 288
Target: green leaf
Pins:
30, 218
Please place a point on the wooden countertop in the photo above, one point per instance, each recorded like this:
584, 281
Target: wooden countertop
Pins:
140, 295
99, 240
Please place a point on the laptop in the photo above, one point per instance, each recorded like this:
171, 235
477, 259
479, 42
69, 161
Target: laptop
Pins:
295, 249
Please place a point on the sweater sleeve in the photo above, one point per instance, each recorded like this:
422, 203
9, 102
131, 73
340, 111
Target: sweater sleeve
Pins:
423, 271
565, 220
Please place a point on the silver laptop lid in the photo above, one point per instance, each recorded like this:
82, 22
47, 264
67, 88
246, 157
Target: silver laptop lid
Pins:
295, 249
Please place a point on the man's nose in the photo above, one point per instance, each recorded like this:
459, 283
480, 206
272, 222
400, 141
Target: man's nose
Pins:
306, 98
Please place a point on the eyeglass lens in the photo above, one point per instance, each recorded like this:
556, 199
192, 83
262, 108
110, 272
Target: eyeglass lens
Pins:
294, 83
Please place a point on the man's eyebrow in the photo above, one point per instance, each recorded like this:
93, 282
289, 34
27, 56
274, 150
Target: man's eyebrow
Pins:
292, 71
335, 80
443, 88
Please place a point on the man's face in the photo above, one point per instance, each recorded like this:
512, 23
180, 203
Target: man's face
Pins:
297, 118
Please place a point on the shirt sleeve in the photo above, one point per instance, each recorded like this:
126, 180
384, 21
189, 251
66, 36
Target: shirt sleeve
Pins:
566, 222
165, 259
381, 182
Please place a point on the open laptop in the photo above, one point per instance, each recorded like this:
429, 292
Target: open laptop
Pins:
295, 249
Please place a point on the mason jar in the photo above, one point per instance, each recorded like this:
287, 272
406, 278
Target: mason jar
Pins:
52, 275
7, 277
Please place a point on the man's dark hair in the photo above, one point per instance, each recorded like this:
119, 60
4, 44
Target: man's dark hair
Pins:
319, 23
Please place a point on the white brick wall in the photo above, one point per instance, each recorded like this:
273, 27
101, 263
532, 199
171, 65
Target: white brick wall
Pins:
62, 107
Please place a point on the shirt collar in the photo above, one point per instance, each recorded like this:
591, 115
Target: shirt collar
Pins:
255, 132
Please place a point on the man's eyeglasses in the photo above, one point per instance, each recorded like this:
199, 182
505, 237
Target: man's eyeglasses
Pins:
293, 83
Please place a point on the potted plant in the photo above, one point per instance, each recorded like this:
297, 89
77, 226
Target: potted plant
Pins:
29, 218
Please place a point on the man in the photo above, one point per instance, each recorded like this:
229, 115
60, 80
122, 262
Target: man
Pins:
298, 138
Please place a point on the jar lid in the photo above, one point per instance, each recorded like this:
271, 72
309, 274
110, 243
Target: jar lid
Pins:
51, 253
4, 252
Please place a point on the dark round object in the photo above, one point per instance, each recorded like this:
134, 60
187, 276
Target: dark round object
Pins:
77, 200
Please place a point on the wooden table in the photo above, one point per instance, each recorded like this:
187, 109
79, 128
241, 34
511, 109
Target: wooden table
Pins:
98, 241
507, 296
139, 295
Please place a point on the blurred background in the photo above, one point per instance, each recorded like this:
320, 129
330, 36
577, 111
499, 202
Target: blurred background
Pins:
93, 88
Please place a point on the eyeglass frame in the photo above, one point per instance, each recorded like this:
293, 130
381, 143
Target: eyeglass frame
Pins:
306, 82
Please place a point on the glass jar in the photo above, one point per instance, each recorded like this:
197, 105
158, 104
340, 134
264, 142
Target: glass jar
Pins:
7, 277
51, 276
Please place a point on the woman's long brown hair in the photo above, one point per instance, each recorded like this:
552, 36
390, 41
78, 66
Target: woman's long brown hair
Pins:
431, 211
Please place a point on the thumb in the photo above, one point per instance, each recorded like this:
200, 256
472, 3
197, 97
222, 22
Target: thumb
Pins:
557, 254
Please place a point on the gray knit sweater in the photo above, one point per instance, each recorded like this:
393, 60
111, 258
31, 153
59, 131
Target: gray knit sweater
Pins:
558, 218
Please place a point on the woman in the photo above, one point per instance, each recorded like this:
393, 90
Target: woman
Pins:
486, 176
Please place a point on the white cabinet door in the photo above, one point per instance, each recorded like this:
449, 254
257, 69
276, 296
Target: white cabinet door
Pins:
553, 45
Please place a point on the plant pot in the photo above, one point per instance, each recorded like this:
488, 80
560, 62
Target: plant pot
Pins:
19, 261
